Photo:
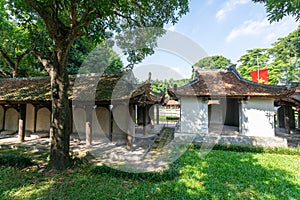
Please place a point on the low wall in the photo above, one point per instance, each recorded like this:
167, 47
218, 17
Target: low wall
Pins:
239, 140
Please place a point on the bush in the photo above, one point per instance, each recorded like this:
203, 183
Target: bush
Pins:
13, 160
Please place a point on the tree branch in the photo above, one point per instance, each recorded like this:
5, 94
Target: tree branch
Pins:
85, 18
46, 63
73, 20
19, 57
55, 27
7, 59
128, 18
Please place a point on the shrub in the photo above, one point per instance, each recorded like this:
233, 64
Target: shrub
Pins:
14, 160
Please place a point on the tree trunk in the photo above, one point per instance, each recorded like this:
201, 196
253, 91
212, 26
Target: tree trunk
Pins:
60, 119
15, 73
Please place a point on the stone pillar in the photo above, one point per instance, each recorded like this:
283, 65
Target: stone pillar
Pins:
130, 131
157, 113
22, 122
151, 115
110, 122
88, 125
88, 133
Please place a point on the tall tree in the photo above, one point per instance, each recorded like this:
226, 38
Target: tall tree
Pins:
286, 56
255, 59
65, 21
282, 59
102, 57
213, 62
277, 9
13, 43
15, 48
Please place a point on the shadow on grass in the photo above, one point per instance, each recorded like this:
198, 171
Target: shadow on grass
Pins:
219, 175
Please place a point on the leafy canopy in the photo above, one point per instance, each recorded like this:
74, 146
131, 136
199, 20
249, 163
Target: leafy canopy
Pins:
97, 20
282, 59
277, 9
15, 58
213, 62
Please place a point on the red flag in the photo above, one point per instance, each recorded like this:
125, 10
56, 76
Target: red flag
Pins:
260, 76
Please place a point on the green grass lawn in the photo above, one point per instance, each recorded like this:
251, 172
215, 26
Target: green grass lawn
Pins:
218, 175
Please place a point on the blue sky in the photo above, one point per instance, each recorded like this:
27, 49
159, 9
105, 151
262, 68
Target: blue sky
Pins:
220, 27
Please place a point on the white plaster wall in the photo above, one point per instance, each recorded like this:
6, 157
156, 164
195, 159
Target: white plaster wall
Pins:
217, 114
29, 117
1, 117
43, 120
100, 123
11, 120
194, 115
257, 117
79, 120
123, 122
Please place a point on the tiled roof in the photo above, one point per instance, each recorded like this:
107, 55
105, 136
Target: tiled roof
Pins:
230, 84
82, 88
25, 89
102, 88
296, 95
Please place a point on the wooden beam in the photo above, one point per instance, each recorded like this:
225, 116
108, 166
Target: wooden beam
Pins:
286, 119
144, 120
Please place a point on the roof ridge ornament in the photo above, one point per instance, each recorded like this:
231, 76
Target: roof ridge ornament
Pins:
231, 67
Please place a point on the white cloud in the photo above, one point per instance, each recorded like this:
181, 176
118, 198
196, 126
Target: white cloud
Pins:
228, 7
249, 27
263, 29
172, 28
220, 14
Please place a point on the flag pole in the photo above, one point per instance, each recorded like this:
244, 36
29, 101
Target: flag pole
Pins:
257, 68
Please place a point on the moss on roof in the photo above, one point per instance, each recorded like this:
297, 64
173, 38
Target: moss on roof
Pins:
82, 88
